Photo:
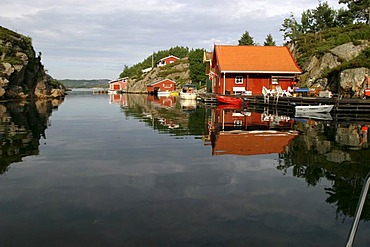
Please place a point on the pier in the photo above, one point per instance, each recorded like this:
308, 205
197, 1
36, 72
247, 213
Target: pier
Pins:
345, 109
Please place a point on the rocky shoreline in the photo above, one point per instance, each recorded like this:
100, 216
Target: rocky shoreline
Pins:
22, 75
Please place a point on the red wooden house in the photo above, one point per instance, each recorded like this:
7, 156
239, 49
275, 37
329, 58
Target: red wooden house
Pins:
163, 86
167, 60
118, 84
236, 69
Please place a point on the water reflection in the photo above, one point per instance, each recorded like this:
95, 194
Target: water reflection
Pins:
312, 148
241, 132
22, 124
166, 114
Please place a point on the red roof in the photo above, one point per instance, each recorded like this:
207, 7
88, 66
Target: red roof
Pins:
255, 59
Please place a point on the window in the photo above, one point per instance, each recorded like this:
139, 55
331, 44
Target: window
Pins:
238, 79
275, 81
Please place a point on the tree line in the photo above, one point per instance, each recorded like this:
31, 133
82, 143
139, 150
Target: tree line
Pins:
318, 19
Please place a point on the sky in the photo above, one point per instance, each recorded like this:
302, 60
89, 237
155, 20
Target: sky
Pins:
94, 39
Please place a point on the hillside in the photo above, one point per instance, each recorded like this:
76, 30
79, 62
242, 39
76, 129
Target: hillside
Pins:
22, 75
101, 83
336, 59
178, 72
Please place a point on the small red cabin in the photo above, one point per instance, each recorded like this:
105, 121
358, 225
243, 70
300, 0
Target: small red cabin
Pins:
167, 60
164, 86
247, 69
118, 84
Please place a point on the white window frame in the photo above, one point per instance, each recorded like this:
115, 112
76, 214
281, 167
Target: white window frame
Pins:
239, 79
166, 85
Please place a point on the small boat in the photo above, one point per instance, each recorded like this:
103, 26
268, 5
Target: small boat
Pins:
223, 99
313, 109
188, 91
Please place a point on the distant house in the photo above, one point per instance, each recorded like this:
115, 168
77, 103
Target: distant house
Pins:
167, 60
161, 87
118, 85
237, 69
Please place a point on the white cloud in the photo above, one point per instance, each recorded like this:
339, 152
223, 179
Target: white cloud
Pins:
75, 35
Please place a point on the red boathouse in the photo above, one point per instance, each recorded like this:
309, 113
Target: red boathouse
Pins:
246, 69
161, 86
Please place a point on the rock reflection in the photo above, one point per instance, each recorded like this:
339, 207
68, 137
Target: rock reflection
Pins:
22, 124
323, 148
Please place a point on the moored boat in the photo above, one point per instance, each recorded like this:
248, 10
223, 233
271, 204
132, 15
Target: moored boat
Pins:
188, 91
313, 109
223, 99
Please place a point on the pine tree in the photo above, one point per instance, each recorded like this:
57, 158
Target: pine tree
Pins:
246, 39
269, 41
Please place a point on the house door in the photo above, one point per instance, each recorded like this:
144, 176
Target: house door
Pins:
255, 84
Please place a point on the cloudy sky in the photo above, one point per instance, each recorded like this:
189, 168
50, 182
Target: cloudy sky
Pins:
94, 39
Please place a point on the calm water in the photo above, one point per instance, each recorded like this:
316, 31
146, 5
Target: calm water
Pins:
135, 171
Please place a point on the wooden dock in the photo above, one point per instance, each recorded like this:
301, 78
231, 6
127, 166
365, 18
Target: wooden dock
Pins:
345, 109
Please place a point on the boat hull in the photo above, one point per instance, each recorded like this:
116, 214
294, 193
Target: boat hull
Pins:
314, 109
229, 100
190, 96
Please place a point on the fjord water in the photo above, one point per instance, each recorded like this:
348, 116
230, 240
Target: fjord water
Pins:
96, 170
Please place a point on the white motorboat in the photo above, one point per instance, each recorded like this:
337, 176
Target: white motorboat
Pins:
301, 109
188, 91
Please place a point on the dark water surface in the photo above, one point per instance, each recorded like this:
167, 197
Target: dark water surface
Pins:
98, 171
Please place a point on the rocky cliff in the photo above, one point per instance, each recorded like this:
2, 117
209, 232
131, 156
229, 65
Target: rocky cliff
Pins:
22, 74
326, 70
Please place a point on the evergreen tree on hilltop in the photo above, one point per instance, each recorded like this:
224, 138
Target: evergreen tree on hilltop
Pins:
246, 39
269, 41
360, 9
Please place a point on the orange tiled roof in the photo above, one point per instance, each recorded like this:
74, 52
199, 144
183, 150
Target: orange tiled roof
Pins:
277, 59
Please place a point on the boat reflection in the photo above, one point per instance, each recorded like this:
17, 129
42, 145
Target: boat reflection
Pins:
315, 115
188, 105
237, 131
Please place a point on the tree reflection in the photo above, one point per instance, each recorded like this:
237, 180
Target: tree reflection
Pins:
22, 124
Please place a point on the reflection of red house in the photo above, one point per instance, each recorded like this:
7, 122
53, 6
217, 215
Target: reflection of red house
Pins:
236, 69
164, 86
118, 99
234, 131
118, 84
167, 60
162, 101
253, 142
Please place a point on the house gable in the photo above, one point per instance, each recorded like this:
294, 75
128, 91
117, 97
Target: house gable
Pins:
167, 60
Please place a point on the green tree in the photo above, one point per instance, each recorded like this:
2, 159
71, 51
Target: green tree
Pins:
323, 17
197, 67
246, 39
344, 18
269, 41
359, 8
291, 28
